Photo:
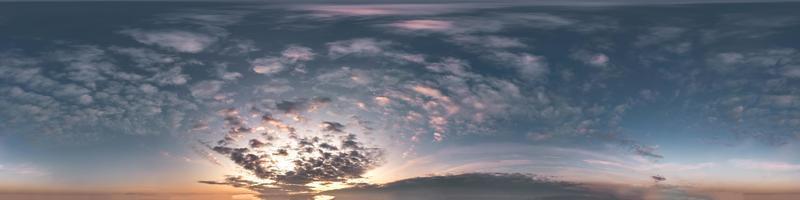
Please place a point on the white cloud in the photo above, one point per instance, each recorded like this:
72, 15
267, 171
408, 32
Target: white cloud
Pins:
642, 165
453, 66
295, 53
85, 99
23, 169
528, 65
147, 88
173, 76
424, 24
206, 89
359, 46
480, 24
269, 65
177, 40
764, 165
590, 58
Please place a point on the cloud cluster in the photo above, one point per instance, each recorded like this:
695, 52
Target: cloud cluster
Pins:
90, 94
273, 147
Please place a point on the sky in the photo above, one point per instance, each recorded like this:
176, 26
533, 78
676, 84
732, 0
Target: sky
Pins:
656, 99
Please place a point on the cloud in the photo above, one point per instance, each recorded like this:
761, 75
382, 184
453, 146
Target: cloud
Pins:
485, 23
473, 186
424, 24
292, 158
754, 88
171, 76
176, 40
509, 186
359, 46
592, 59
370, 48
332, 127
383, 9
293, 55
530, 67
646, 166
267, 65
84, 91
764, 165
23, 170
206, 89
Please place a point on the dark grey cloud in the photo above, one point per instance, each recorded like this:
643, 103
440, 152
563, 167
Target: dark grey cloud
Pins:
332, 127
498, 186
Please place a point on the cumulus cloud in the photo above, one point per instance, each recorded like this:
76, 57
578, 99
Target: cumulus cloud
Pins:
176, 40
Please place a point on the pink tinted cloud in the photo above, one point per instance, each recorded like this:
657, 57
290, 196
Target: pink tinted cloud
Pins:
424, 24
385, 9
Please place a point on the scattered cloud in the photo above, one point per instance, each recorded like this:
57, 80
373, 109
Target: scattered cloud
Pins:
291, 157
359, 46
292, 56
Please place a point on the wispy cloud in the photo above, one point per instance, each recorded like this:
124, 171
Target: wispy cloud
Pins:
385, 9
23, 170
764, 165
